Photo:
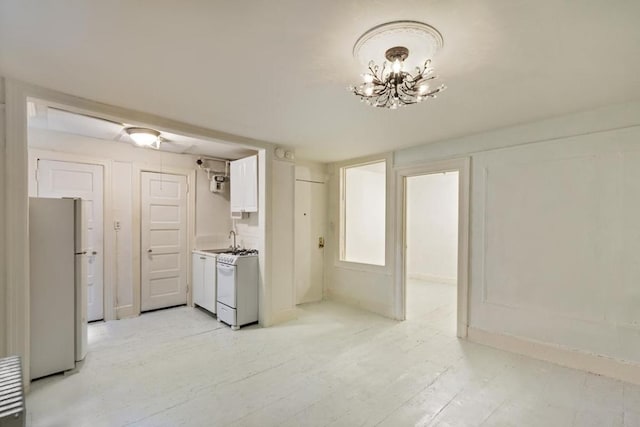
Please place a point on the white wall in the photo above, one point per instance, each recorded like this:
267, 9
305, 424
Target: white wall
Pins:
432, 227
282, 193
275, 205
212, 222
555, 243
554, 232
3, 277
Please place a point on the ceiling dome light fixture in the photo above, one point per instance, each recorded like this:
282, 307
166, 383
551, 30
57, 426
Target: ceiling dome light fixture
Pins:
392, 86
144, 137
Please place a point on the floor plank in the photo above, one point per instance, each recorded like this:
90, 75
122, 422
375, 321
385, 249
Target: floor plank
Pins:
333, 366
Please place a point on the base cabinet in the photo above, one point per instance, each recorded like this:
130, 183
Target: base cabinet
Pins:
204, 281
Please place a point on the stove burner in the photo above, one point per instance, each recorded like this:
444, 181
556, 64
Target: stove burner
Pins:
241, 252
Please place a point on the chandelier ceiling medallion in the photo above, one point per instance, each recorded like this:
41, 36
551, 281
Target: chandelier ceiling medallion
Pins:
399, 46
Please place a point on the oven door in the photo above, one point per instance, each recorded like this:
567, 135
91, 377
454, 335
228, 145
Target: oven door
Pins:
227, 284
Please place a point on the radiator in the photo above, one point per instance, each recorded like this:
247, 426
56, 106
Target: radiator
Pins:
12, 407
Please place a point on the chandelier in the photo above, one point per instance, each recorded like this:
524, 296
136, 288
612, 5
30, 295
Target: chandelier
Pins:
392, 85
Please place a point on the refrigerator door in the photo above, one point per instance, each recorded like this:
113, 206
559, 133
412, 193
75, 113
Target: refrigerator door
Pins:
52, 287
81, 324
81, 275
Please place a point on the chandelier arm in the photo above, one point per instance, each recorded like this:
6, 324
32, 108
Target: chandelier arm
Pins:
433, 92
428, 78
396, 89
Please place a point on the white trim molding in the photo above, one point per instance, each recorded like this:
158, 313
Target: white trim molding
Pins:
338, 263
16, 190
17, 226
432, 278
136, 230
560, 355
463, 166
35, 154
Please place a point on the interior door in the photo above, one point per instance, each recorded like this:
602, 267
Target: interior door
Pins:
57, 179
163, 240
309, 226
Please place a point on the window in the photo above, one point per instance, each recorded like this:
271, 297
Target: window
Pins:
362, 221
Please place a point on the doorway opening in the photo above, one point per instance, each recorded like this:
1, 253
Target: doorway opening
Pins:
431, 238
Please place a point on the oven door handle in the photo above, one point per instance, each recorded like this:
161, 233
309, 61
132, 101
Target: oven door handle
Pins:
226, 267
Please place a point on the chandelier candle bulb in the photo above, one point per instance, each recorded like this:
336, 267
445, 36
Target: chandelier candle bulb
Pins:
397, 66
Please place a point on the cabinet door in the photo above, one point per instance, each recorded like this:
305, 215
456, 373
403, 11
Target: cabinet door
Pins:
237, 186
209, 284
250, 184
197, 273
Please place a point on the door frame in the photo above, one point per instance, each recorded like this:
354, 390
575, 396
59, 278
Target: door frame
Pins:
108, 239
136, 228
14, 263
295, 283
462, 166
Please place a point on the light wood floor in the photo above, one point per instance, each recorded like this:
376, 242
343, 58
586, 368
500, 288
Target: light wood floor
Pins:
334, 365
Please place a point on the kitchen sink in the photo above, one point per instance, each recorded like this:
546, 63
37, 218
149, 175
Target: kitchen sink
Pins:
217, 251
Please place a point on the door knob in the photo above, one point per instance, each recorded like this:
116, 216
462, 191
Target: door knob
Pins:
94, 253
149, 250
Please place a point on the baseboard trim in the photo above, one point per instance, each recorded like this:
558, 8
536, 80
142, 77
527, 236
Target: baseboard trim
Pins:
570, 358
432, 278
361, 304
283, 316
125, 312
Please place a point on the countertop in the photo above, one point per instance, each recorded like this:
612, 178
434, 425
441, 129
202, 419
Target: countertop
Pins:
210, 252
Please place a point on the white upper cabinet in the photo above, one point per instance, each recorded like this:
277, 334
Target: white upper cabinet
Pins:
244, 185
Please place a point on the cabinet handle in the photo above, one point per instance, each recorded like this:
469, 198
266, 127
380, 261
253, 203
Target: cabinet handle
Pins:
203, 258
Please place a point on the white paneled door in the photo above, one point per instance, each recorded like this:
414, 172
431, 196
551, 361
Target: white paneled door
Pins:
309, 226
163, 240
58, 179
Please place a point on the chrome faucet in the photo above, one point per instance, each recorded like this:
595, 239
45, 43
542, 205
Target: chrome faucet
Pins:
234, 247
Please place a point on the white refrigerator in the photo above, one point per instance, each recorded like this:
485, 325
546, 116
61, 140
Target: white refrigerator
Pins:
58, 284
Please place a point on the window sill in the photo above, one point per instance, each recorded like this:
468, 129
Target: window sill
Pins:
368, 268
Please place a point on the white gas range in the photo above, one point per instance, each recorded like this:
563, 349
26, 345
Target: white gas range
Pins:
237, 277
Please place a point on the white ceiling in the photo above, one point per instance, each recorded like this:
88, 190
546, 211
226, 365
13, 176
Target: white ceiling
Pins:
41, 116
276, 70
